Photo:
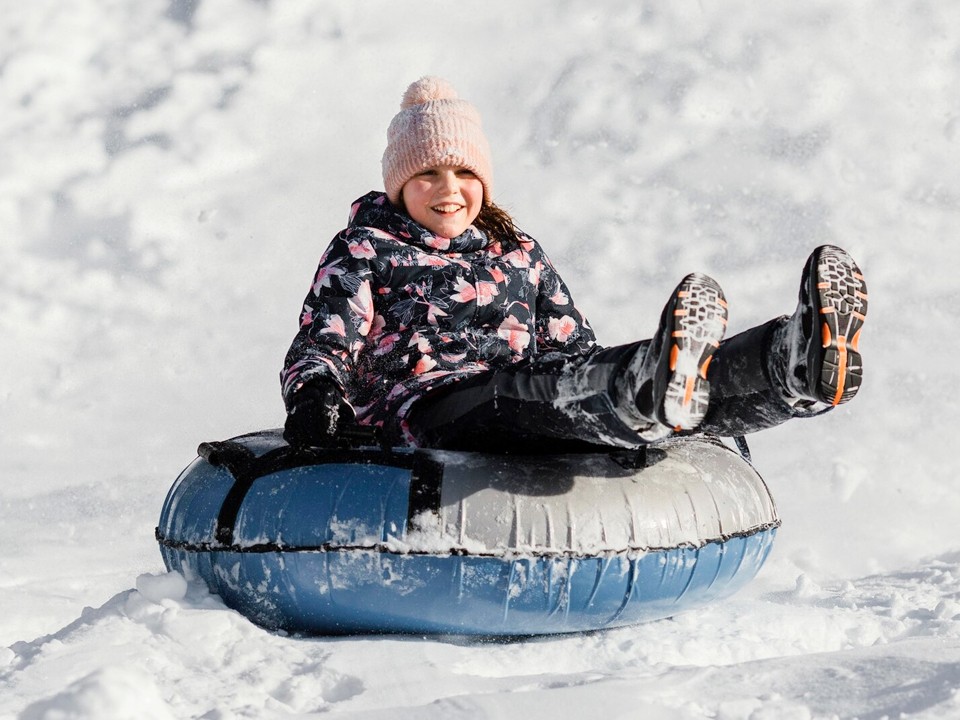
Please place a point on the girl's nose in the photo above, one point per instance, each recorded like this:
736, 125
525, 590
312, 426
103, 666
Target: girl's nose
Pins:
449, 181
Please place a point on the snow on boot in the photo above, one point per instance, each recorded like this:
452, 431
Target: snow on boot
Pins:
670, 378
816, 352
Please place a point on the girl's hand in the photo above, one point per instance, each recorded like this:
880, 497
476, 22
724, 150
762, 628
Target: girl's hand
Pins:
316, 415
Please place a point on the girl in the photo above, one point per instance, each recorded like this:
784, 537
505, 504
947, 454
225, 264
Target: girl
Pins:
435, 319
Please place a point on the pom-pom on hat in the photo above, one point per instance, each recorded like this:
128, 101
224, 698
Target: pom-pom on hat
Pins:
434, 127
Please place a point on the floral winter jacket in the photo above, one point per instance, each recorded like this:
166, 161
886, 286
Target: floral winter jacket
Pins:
396, 311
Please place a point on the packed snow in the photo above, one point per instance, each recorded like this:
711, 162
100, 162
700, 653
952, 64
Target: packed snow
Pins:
171, 170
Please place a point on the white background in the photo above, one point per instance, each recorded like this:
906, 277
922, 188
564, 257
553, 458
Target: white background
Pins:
170, 173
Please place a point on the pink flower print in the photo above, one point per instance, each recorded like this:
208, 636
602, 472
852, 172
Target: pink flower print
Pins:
361, 305
380, 234
559, 298
423, 345
424, 364
307, 317
386, 344
534, 274
465, 291
433, 312
497, 274
434, 261
515, 333
486, 292
434, 375
483, 292
324, 275
361, 249
561, 328
379, 323
436, 242
518, 258
451, 358
397, 390
335, 326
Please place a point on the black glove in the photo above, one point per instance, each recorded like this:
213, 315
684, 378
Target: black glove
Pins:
316, 413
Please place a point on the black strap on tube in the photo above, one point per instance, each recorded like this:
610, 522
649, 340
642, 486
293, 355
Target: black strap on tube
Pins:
246, 468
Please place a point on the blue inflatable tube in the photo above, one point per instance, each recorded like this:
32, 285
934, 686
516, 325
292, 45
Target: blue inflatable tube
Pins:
370, 540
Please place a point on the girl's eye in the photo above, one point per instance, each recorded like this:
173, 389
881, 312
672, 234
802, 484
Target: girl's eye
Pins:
427, 173
463, 172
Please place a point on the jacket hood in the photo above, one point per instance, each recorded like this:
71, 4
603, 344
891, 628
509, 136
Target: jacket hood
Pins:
374, 210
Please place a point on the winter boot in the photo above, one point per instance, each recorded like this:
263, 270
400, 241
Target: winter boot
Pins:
669, 380
815, 354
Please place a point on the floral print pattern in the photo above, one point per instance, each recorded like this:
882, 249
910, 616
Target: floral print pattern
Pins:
395, 311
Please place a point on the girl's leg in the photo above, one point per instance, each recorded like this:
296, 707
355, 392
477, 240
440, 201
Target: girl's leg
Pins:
744, 395
516, 410
622, 396
796, 366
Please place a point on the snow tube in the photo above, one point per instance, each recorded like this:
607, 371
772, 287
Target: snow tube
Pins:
425, 541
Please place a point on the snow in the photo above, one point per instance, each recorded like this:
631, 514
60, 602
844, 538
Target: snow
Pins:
170, 173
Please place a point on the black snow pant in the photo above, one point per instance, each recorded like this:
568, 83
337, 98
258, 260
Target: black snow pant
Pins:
526, 408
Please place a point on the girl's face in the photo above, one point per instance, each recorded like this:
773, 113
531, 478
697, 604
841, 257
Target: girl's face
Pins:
445, 199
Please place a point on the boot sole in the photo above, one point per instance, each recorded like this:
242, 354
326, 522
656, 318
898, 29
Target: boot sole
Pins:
699, 321
841, 295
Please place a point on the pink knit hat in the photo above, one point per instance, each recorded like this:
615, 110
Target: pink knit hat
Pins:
434, 127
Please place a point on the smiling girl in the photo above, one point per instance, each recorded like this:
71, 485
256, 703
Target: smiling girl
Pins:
445, 199
435, 319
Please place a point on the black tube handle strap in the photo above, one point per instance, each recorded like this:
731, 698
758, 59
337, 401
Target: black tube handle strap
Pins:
246, 468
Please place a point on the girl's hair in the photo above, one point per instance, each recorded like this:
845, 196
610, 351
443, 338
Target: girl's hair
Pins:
496, 224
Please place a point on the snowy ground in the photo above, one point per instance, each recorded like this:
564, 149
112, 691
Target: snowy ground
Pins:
170, 172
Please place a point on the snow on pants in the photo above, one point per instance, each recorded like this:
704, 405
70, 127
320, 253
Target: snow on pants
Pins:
526, 405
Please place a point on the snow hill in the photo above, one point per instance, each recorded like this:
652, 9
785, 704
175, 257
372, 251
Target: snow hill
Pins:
170, 171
